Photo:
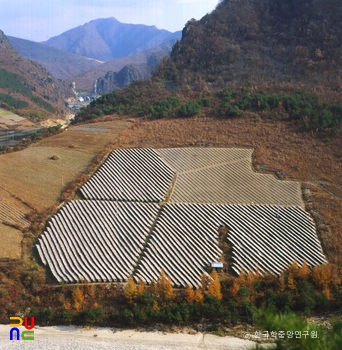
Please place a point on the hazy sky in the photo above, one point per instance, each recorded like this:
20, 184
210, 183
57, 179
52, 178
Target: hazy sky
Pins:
38, 20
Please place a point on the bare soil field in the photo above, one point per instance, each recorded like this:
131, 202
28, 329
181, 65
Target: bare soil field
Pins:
38, 180
90, 138
9, 120
279, 147
10, 242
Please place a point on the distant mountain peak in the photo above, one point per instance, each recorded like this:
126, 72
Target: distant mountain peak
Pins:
105, 39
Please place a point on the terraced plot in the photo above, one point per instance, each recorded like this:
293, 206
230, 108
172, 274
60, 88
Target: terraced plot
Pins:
130, 175
184, 240
12, 216
225, 175
96, 240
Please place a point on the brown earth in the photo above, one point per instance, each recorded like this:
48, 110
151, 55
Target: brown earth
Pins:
10, 242
90, 138
38, 180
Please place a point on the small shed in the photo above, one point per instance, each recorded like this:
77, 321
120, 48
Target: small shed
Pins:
216, 265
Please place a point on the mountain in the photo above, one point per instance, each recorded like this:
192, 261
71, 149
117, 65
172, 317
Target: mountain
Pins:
107, 39
262, 42
60, 64
27, 87
144, 62
278, 59
113, 80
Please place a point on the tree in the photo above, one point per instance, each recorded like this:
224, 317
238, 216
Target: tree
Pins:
199, 296
304, 271
130, 289
215, 286
293, 269
322, 275
205, 281
141, 287
189, 294
291, 284
78, 298
164, 288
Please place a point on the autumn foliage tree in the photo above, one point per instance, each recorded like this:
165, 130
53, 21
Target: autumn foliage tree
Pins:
215, 286
130, 289
164, 288
189, 294
78, 298
304, 271
205, 281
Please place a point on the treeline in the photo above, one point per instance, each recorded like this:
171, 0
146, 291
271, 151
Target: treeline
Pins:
228, 301
17, 84
300, 105
9, 102
303, 107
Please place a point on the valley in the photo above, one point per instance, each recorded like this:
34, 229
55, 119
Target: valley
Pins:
189, 179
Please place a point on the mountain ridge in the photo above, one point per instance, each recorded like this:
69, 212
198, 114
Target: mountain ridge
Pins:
59, 63
110, 39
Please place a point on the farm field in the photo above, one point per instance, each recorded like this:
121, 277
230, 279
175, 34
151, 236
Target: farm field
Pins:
130, 175
9, 120
89, 138
104, 241
180, 238
30, 180
38, 180
12, 216
10, 242
279, 148
225, 175
204, 175
97, 241
269, 238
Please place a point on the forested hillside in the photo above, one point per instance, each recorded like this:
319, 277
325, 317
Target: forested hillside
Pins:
26, 87
247, 57
262, 42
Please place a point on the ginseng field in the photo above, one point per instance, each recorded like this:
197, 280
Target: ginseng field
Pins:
96, 240
131, 175
225, 176
101, 239
265, 238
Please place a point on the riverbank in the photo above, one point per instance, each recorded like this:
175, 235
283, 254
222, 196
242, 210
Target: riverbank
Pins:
71, 337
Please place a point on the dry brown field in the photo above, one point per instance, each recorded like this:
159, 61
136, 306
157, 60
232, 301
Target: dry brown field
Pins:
31, 180
10, 242
88, 138
9, 120
38, 180
280, 146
